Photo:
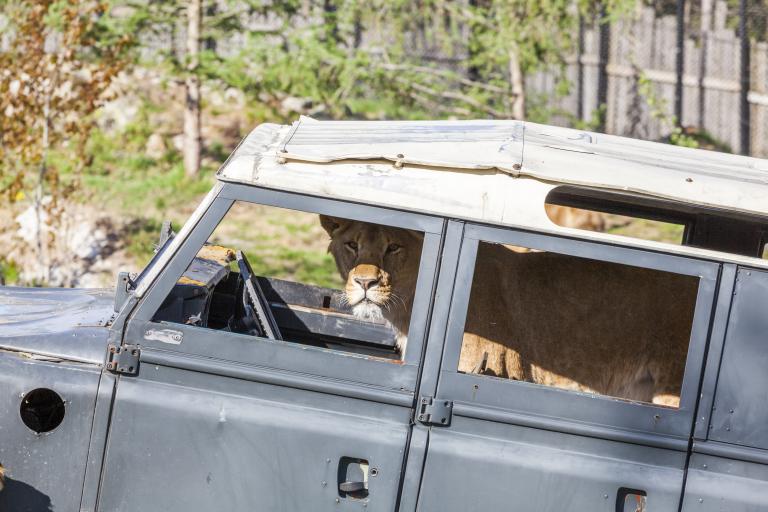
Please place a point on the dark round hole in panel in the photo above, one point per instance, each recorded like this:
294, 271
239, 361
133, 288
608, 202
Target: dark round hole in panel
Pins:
42, 410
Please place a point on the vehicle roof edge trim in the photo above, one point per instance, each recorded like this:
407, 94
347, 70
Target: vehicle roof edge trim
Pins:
182, 235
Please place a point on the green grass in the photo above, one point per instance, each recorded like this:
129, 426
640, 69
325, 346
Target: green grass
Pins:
136, 190
9, 272
280, 243
304, 266
651, 230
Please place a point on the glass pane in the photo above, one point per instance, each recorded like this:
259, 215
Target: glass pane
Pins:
578, 324
299, 277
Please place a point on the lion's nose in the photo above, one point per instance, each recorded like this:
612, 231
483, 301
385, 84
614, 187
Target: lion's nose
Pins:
367, 282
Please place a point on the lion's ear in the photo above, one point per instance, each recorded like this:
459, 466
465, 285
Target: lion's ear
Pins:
331, 224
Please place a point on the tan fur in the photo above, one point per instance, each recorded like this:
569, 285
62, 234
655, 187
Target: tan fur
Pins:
2, 477
556, 320
394, 272
576, 217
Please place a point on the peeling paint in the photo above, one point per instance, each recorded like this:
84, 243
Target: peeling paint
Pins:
164, 336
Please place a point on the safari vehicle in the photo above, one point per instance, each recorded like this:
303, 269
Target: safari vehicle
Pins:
470, 353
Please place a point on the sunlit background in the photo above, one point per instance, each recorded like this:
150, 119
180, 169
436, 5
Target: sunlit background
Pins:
114, 115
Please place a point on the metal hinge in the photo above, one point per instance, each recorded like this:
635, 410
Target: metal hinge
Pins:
434, 411
123, 359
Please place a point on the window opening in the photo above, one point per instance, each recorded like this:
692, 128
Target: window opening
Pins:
616, 224
578, 324
654, 219
300, 277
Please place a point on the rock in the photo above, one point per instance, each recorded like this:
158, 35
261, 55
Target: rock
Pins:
118, 113
28, 222
75, 240
155, 147
178, 142
234, 97
295, 104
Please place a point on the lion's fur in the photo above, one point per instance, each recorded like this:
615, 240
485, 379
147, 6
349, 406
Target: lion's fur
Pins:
396, 273
551, 319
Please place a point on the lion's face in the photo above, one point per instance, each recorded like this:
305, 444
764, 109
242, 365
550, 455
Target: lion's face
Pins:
379, 264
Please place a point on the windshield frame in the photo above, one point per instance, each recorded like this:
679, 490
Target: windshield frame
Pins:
164, 255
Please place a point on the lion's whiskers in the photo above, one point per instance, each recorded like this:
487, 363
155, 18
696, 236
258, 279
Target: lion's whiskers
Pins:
398, 300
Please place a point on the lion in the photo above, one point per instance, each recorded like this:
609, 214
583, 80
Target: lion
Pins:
551, 319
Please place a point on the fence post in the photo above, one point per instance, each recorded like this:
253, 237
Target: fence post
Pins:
580, 71
679, 56
602, 76
744, 114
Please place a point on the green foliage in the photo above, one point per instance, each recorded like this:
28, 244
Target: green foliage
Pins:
679, 138
9, 272
658, 110
310, 49
60, 60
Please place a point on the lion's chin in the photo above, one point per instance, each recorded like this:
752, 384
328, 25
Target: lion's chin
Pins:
367, 310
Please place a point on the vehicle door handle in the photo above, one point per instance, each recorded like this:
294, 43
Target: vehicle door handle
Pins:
350, 487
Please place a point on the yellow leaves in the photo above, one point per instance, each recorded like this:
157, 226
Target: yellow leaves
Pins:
19, 196
50, 84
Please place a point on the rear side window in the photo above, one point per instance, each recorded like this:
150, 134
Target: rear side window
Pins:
635, 227
300, 277
578, 324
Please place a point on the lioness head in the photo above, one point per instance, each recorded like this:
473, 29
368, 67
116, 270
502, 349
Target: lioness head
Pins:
379, 265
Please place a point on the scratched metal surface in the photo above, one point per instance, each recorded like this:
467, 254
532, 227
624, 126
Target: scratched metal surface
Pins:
740, 412
478, 465
715, 484
184, 441
45, 471
64, 323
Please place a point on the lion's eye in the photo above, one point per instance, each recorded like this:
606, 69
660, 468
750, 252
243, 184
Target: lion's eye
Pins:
352, 245
393, 248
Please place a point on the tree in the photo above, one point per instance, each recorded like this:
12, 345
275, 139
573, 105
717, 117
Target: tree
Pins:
55, 74
421, 58
192, 137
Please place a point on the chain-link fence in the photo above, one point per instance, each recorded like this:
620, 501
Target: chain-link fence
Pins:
679, 68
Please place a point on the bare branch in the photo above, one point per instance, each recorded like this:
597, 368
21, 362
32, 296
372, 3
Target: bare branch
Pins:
446, 74
454, 96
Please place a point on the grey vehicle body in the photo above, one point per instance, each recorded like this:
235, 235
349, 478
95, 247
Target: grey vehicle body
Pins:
172, 417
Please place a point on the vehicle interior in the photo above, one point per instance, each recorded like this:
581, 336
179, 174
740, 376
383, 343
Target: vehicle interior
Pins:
275, 298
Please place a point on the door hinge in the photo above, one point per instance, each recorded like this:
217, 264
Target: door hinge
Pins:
123, 359
433, 411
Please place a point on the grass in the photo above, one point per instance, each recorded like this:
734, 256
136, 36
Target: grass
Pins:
280, 243
650, 230
9, 272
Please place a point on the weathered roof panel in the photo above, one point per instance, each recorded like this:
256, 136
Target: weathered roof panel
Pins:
466, 169
549, 154
469, 145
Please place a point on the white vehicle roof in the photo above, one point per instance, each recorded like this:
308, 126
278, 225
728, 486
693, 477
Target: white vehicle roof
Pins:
491, 171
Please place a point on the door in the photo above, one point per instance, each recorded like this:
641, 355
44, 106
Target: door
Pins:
522, 433
316, 417
728, 469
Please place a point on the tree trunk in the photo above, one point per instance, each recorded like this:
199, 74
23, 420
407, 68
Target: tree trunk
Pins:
706, 15
517, 84
192, 138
